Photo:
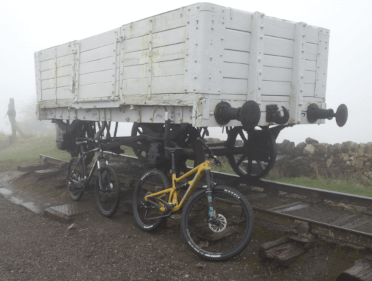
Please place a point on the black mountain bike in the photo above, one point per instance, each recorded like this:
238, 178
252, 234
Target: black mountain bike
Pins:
107, 187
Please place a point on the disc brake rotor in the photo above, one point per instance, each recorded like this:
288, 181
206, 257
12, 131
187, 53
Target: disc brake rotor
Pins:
222, 225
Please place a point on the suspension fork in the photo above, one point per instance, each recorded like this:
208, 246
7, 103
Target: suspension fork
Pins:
100, 156
211, 200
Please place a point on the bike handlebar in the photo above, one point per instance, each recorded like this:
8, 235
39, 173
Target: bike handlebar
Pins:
209, 150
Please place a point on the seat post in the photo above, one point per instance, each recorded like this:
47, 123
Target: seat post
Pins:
173, 163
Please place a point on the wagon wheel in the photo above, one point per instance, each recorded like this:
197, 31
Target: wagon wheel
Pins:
139, 129
85, 129
256, 157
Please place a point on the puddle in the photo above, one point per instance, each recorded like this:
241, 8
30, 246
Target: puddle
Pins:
5, 191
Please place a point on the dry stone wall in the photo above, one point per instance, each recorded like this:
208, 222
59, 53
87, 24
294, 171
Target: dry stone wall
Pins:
311, 158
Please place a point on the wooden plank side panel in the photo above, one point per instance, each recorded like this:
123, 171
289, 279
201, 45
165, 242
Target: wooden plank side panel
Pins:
236, 56
97, 54
95, 91
168, 85
136, 58
311, 51
62, 93
237, 40
235, 70
170, 20
274, 88
275, 61
137, 44
62, 50
61, 71
169, 37
96, 65
137, 29
98, 41
277, 74
95, 78
312, 34
136, 86
168, 68
235, 86
279, 28
309, 90
238, 20
309, 77
61, 82
286, 29
283, 47
168, 53
278, 47
62, 61
136, 71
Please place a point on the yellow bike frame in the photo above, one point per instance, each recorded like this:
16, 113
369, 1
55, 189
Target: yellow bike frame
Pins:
173, 192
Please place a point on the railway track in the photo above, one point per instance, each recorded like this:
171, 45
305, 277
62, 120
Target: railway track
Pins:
338, 216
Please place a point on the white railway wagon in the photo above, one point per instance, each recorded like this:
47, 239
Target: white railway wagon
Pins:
199, 63
188, 60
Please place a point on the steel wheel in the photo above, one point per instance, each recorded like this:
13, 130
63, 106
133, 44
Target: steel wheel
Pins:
257, 155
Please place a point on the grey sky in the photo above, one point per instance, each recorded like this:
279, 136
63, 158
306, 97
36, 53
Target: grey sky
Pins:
29, 26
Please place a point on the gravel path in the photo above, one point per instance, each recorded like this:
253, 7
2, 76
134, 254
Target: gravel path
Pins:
33, 247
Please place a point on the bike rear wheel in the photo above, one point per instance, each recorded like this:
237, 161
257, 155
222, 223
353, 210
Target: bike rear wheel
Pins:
107, 194
225, 238
75, 177
147, 216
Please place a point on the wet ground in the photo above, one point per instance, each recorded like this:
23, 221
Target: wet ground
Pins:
33, 247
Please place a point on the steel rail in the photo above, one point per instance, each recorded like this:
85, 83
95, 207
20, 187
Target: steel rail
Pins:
311, 192
317, 228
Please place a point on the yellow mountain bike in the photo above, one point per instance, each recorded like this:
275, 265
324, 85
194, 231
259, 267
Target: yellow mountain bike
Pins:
217, 221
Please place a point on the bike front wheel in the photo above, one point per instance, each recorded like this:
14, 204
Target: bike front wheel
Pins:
148, 216
107, 193
75, 178
228, 235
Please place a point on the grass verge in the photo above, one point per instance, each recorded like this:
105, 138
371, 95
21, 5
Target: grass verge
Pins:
25, 152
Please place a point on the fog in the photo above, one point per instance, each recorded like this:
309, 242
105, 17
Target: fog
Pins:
30, 26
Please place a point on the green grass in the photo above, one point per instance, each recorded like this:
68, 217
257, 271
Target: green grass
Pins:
338, 185
25, 152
